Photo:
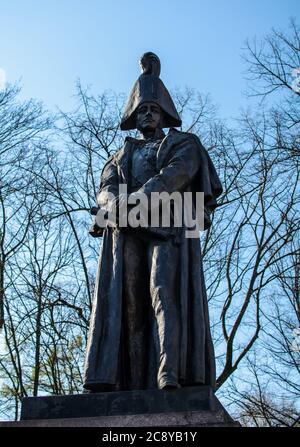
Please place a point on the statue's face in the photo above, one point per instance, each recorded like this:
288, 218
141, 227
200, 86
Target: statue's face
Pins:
149, 116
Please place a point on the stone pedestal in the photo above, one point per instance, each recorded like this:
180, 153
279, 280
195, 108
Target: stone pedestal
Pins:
185, 407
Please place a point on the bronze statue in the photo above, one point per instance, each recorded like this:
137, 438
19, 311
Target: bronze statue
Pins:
149, 326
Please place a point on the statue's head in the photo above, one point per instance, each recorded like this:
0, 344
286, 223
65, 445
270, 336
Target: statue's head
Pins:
149, 96
149, 116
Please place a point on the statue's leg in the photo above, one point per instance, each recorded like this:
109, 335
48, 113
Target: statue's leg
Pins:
135, 312
163, 260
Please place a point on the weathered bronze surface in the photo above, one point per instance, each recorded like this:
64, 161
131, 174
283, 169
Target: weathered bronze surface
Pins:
150, 325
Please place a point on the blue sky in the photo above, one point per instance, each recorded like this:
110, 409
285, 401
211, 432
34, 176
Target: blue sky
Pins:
50, 44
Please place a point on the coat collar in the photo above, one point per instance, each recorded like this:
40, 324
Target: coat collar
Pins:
172, 131
160, 136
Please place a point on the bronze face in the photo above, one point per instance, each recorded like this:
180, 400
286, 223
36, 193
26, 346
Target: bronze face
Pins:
149, 116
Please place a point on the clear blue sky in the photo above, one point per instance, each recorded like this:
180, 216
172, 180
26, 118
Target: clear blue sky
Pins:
51, 43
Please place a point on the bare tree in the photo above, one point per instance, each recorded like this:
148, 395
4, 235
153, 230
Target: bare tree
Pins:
272, 61
22, 126
266, 385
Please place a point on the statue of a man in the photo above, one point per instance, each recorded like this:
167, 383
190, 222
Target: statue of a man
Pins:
149, 326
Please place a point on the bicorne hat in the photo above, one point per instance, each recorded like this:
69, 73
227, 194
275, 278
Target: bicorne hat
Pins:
150, 88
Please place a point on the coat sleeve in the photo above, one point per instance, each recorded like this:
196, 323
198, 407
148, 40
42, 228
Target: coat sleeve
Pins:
108, 184
180, 167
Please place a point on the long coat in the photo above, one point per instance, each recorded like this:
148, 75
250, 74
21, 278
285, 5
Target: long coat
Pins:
182, 164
